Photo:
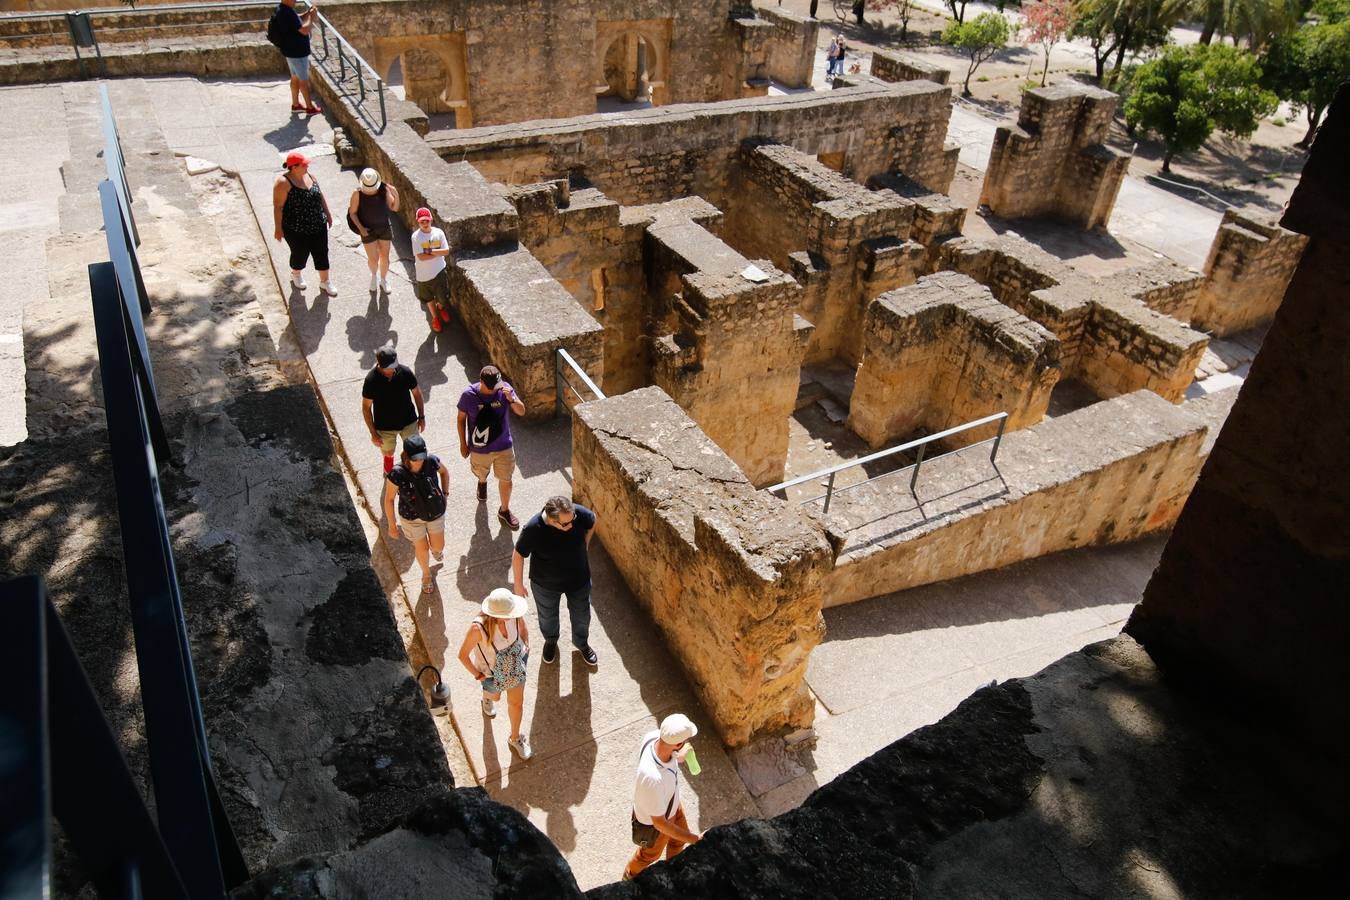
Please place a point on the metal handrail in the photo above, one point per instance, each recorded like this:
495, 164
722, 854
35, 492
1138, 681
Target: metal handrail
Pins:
358, 63
920, 443
561, 364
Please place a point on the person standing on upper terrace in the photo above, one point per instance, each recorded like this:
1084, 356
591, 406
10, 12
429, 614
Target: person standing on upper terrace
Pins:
289, 31
484, 424
556, 542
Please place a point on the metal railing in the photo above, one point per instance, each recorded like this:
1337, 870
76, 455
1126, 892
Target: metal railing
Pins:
564, 365
349, 64
921, 444
189, 848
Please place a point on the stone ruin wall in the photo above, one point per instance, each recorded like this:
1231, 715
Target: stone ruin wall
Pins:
789, 47
732, 576
943, 352
890, 65
1109, 338
1053, 162
654, 155
1249, 267
1110, 472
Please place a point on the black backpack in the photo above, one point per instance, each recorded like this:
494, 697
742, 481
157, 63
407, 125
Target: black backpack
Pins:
274, 31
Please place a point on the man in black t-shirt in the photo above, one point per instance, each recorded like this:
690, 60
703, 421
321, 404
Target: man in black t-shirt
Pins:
556, 540
291, 33
391, 403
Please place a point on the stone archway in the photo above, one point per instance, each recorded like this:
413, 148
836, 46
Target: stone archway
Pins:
631, 54
435, 71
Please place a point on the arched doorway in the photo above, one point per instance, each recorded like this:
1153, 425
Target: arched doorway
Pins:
632, 63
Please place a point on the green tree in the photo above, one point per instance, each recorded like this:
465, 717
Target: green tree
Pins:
978, 39
958, 8
1117, 27
1257, 22
1188, 92
1306, 67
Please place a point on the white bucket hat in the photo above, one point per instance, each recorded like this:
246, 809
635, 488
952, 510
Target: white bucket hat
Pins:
676, 729
370, 181
502, 604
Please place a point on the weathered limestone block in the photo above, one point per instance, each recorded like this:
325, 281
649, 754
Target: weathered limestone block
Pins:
519, 314
790, 46
725, 347
894, 65
943, 352
1052, 162
730, 575
1249, 267
1113, 471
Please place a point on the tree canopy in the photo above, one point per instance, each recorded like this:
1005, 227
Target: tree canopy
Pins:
1307, 66
1187, 93
978, 39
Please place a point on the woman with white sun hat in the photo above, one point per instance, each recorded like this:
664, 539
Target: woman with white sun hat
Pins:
495, 650
368, 213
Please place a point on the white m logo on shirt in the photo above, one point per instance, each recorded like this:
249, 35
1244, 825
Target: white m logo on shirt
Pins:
480, 437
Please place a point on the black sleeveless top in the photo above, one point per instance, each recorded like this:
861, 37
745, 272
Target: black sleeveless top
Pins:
302, 212
373, 209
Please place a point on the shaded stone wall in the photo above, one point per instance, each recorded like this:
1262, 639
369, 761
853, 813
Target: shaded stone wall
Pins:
893, 65
653, 155
944, 352
1109, 338
1053, 162
790, 49
731, 575
725, 348
1112, 471
1263, 611
1248, 270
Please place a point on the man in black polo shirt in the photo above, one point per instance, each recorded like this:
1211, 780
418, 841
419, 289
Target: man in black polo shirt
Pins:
556, 540
289, 31
391, 403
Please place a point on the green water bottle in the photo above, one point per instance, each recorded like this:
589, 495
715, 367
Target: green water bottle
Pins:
691, 762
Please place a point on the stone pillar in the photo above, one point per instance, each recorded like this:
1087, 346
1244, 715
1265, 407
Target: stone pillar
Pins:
1252, 595
1248, 269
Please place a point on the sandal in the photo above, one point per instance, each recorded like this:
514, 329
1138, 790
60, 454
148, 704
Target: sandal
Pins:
313, 110
428, 583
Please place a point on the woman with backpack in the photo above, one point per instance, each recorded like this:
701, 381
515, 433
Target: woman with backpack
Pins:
495, 650
368, 216
420, 483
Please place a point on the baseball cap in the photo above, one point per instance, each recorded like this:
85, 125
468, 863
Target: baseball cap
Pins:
370, 181
415, 446
385, 356
423, 213
490, 375
295, 158
676, 729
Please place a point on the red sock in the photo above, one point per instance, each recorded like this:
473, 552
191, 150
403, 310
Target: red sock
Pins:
388, 464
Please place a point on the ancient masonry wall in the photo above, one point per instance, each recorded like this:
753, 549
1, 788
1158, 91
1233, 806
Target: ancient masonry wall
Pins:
790, 47
515, 311
1053, 162
1109, 338
943, 352
653, 155
725, 348
889, 65
1109, 472
843, 242
1249, 267
732, 576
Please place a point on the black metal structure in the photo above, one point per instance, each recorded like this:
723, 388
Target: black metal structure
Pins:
51, 713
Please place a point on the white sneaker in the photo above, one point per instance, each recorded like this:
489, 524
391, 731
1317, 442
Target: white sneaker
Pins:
374, 282
298, 281
489, 708
522, 746
327, 288
384, 284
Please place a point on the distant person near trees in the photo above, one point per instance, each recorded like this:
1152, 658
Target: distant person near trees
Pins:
289, 31
391, 403
484, 424
556, 542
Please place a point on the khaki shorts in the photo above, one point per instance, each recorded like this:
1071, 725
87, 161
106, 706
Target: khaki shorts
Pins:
389, 439
437, 289
501, 463
417, 530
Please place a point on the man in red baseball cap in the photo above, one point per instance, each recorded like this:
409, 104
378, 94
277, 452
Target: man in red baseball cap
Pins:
433, 281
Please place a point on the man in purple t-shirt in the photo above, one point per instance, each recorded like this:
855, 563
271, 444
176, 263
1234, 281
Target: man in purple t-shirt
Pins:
484, 422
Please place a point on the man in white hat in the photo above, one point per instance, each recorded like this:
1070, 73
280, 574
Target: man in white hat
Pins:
656, 796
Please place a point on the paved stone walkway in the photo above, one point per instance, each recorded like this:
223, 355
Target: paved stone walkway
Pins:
889, 665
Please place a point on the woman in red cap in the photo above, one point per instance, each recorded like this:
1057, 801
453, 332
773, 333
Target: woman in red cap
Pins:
302, 220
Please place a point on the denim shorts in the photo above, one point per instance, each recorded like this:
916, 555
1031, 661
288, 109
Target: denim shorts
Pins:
299, 66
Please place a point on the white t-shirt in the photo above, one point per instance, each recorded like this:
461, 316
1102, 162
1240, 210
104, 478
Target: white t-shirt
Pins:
657, 792
425, 242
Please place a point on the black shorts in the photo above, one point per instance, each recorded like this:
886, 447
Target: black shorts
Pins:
303, 246
437, 289
378, 233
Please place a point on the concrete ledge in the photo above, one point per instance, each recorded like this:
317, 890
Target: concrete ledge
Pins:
729, 574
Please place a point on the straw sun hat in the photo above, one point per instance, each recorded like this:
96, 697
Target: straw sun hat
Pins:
502, 604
